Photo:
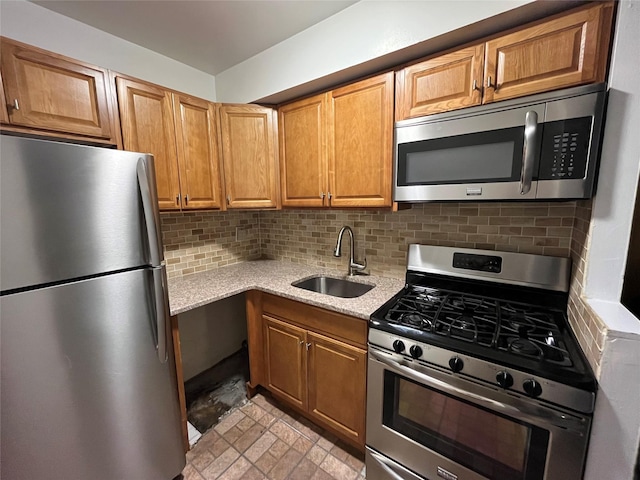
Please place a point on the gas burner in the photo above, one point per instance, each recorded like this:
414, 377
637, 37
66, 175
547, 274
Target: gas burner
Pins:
524, 346
414, 319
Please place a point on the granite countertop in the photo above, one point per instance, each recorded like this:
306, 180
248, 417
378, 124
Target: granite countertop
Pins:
274, 276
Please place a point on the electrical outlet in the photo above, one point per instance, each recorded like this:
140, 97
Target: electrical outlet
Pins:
242, 233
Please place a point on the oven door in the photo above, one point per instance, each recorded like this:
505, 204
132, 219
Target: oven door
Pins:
438, 425
491, 156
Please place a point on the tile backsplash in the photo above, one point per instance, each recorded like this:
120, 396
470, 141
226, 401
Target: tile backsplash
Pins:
206, 240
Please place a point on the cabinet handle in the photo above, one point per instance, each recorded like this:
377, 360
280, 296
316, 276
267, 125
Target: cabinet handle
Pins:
186, 199
322, 195
177, 199
308, 345
475, 85
16, 105
489, 84
329, 197
301, 342
228, 199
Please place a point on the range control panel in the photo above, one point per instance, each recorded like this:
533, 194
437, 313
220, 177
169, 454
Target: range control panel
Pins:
565, 149
482, 263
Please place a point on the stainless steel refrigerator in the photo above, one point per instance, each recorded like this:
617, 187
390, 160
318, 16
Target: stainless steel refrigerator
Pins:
87, 382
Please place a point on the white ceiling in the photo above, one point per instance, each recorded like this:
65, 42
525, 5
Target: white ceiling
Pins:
209, 35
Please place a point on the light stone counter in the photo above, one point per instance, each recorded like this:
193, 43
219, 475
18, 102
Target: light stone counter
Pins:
273, 276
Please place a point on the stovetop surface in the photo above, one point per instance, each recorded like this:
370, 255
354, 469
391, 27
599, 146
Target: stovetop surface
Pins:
520, 327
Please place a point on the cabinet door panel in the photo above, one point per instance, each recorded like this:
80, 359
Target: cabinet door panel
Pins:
248, 154
569, 50
286, 360
303, 151
361, 143
337, 385
197, 152
51, 93
146, 114
441, 84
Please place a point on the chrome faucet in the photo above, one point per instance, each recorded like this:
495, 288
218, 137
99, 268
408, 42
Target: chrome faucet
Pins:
355, 268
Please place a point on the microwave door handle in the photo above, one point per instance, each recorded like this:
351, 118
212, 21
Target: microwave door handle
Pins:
528, 151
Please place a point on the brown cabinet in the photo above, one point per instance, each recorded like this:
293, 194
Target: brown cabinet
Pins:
336, 148
48, 94
311, 358
180, 133
248, 145
566, 50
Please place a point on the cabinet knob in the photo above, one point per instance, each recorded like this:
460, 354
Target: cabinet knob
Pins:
16, 105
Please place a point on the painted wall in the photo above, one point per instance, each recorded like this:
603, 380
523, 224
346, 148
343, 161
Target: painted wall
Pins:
35, 25
366, 31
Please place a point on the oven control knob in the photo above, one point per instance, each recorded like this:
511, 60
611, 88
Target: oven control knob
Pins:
504, 379
456, 364
415, 351
398, 346
532, 388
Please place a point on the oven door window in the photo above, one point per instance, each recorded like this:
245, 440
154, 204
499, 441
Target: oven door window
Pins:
490, 444
486, 157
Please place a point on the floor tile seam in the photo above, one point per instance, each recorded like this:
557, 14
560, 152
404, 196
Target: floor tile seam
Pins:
302, 456
234, 461
339, 461
297, 430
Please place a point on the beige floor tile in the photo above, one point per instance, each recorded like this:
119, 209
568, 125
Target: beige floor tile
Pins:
285, 465
338, 469
245, 424
303, 445
249, 437
237, 470
304, 470
229, 421
253, 474
190, 473
316, 454
233, 434
220, 464
260, 446
284, 431
266, 462
279, 448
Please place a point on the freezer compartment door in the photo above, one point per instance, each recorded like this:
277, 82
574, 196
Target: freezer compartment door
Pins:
71, 211
84, 393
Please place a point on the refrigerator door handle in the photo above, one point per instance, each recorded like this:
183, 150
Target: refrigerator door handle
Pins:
162, 313
147, 182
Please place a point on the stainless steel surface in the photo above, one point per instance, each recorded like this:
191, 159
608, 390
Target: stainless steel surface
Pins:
529, 151
380, 467
67, 211
477, 369
551, 273
563, 461
145, 171
336, 287
83, 394
354, 267
87, 386
585, 101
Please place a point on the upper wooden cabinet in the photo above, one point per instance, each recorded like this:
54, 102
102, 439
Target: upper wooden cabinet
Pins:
443, 83
49, 94
567, 50
248, 145
336, 148
180, 133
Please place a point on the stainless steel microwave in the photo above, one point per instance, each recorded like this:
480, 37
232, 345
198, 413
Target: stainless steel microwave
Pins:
538, 147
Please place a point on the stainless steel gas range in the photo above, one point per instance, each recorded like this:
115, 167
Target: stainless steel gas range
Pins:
474, 373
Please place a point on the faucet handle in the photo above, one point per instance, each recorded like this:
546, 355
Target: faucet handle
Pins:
358, 268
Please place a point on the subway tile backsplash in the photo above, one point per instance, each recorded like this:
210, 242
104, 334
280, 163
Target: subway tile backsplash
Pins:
206, 240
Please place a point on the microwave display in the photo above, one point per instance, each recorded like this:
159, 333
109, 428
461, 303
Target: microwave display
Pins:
565, 148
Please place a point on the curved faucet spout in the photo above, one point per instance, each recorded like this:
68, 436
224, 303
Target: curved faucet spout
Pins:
354, 267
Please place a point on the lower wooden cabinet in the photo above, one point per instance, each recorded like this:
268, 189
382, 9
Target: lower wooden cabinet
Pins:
313, 359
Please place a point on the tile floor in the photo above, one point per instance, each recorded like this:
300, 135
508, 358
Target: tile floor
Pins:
265, 440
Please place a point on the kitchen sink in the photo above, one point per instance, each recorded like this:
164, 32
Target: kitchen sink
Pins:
335, 287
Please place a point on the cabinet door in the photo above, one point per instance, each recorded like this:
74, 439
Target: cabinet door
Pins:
248, 155
303, 152
146, 113
441, 84
50, 92
337, 385
196, 137
569, 50
361, 143
286, 360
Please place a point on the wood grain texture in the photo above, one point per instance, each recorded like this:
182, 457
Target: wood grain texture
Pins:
177, 357
337, 379
255, 338
55, 93
441, 84
568, 50
303, 152
146, 113
361, 143
247, 135
4, 115
196, 139
286, 360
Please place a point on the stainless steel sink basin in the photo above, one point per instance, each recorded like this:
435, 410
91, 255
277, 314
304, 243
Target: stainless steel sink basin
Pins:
336, 287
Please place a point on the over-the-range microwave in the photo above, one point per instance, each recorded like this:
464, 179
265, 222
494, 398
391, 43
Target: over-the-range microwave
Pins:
539, 147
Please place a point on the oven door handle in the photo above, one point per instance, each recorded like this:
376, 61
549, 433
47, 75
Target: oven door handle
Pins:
557, 418
395, 471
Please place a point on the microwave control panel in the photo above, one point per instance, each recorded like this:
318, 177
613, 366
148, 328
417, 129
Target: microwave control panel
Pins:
565, 149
